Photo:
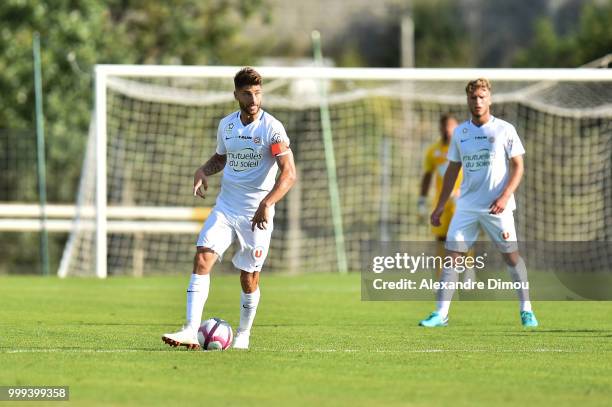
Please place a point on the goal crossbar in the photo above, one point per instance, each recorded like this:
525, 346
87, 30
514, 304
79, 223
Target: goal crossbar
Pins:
380, 74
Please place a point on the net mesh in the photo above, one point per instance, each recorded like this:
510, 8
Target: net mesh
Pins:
161, 129
18, 181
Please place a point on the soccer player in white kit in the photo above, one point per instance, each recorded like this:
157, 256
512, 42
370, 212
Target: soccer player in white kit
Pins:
491, 154
251, 147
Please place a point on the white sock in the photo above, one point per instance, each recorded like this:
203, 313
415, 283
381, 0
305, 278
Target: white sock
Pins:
469, 274
248, 309
445, 295
197, 293
518, 273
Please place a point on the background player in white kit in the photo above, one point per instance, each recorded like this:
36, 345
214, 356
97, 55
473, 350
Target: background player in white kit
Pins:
491, 154
251, 146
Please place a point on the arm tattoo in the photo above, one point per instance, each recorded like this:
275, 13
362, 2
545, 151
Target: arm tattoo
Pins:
215, 164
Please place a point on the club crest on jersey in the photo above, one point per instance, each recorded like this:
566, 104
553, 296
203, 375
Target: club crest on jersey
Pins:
491, 139
229, 128
258, 252
505, 235
257, 140
464, 130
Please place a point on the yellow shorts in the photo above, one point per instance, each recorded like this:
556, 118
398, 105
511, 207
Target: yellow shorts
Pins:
445, 219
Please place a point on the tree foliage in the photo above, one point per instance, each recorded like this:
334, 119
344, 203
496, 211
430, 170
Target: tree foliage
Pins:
440, 36
589, 40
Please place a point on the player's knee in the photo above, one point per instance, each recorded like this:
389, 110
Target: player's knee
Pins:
511, 259
203, 262
454, 256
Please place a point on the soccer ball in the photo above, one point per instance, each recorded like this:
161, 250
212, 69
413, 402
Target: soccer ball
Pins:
215, 334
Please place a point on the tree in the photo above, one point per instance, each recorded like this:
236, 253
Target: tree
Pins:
185, 31
591, 39
440, 36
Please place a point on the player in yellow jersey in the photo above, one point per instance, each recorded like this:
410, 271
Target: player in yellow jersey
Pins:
434, 167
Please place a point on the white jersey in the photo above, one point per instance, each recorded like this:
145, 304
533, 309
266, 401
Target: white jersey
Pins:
250, 170
484, 153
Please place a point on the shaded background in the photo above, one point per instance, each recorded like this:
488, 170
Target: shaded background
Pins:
80, 33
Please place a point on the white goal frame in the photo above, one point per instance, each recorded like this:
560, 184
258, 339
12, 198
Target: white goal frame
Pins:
103, 72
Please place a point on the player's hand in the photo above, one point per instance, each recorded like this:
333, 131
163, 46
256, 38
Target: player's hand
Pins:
260, 219
435, 216
498, 205
199, 181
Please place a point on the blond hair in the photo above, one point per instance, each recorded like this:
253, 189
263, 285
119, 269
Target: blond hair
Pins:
478, 83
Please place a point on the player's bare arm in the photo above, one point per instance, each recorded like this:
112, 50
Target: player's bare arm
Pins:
283, 184
516, 173
425, 183
450, 177
215, 164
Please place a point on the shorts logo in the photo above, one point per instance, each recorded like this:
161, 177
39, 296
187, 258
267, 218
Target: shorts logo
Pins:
505, 235
258, 252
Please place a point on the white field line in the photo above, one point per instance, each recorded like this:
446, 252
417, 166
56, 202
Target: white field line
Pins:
268, 350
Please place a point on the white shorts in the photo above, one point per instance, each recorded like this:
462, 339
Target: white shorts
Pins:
464, 228
220, 230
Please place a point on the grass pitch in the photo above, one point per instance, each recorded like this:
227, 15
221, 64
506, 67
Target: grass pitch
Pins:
314, 343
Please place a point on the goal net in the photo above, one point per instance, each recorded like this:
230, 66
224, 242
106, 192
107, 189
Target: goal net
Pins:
156, 125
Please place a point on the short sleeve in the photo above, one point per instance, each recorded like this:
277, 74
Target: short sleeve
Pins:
453, 149
513, 146
221, 150
278, 139
428, 163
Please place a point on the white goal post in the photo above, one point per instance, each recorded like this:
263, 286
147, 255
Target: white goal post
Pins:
419, 95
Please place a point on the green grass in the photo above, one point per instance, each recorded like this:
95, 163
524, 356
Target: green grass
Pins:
314, 343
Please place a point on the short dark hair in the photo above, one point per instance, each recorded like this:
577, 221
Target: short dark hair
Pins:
446, 117
247, 76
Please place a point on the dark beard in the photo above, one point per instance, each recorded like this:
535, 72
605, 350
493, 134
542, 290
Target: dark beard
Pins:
245, 110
